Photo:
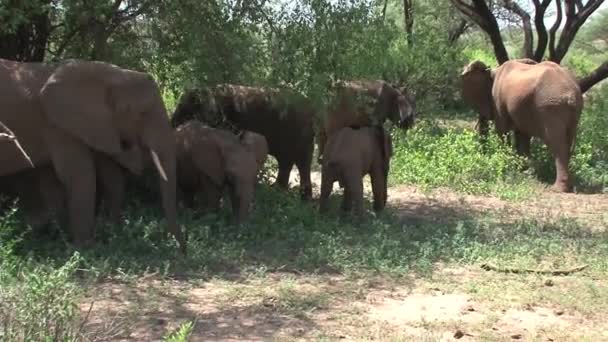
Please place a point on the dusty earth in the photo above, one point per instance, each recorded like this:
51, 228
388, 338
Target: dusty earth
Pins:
467, 304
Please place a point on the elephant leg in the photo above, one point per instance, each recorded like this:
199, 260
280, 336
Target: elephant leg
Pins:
522, 144
284, 172
188, 196
112, 182
562, 159
327, 181
379, 189
37, 197
236, 203
75, 168
357, 197
212, 193
305, 182
321, 145
353, 188
557, 141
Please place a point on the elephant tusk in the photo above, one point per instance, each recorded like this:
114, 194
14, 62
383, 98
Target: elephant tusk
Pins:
158, 165
29, 160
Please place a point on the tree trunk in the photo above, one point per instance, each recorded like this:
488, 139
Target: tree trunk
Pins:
28, 42
408, 16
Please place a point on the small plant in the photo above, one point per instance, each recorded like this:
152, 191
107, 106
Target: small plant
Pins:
39, 303
181, 334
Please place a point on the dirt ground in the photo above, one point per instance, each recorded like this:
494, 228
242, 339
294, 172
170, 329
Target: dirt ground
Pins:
452, 305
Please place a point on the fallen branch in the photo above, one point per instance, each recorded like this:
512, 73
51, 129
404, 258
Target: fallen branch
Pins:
490, 267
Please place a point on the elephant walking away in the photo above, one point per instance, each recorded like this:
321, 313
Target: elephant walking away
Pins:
364, 103
64, 114
531, 99
350, 154
283, 117
210, 160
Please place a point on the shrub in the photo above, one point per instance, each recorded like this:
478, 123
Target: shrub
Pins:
432, 156
38, 303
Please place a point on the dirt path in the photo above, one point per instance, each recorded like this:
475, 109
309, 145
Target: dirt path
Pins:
455, 304
445, 205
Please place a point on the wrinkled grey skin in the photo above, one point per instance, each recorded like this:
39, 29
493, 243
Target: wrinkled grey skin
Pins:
68, 114
362, 103
210, 160
350, 154
532, 100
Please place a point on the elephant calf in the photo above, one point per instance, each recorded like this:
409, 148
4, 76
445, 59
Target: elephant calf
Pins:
209, 159
349, 155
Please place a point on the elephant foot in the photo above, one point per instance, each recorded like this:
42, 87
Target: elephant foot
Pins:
306, 194
84, 244
561, 187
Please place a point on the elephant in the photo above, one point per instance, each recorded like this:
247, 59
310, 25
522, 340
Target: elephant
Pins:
531, 99
74, 113
42, 197
363, 103
210, 159
39, 192
282, 116
350, 154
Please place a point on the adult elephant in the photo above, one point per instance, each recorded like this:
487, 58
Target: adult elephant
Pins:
283, 117
362, 103
70, 113
531, 99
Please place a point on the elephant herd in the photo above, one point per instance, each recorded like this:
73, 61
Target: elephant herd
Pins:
72, 131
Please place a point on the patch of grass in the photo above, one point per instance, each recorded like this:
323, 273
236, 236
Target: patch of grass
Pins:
181, 334
432, 155
39, 303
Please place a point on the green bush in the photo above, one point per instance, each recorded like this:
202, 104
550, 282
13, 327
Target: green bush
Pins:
484, 55
432, 156
39, 302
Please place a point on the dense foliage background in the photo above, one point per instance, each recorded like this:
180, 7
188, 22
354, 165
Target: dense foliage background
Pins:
303, 44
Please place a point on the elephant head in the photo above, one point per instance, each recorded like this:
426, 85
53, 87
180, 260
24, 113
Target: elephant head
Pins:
199, 104
221, 157
395, 105
476, 83
388, 102
119, 113
257, 144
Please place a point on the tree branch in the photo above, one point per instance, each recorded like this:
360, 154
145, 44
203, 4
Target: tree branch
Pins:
526, 24
541, 31
574, 20
408, 17
482, 16
554, 28
594, 77
458, 31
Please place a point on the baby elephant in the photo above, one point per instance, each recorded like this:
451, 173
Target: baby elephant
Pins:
350, 154
210, 159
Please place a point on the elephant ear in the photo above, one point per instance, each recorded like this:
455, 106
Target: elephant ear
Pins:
208, 158
387, 105
79, 106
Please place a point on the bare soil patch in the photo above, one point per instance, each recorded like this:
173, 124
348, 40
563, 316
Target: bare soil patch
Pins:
457, 304
271, 308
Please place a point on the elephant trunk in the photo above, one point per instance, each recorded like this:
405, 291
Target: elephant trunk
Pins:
162, 152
